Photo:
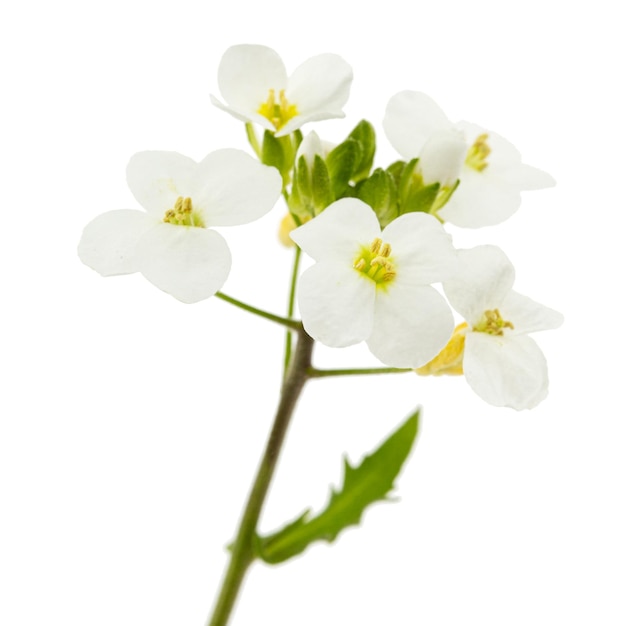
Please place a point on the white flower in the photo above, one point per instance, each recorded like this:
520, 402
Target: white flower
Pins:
171, 243
492, 175
373, 286
254, 83
501, 363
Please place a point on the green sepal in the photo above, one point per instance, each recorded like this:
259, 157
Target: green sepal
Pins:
379, 191
364, 133
413, 195
363, 485
320, 183
272, 152
342, 161
280, 152
253, 140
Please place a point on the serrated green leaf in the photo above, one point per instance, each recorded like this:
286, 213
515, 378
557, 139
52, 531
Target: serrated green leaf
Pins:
363, 485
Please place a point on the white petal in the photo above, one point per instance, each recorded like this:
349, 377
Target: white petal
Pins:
485, 278
527, 178
189, 263
157, 179
481, 199
442, 157
339, 231
229, 187
411, 326
527, 315
410, 119
309, 147
421, 249
336, 304
508, 371
108, 242
246, 74
244, 115
322, 83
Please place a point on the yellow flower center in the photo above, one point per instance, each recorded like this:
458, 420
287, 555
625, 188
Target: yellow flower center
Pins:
183, 214
477, 155
376, 263
279, 113
450, 360
492, 323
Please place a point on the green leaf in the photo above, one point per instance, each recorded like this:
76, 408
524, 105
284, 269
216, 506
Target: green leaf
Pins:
363, 485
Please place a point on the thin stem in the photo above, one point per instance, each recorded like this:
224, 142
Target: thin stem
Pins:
289, 323
291, 308
317, 373
242, 551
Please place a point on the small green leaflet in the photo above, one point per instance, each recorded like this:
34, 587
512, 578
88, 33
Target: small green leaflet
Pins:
364, 484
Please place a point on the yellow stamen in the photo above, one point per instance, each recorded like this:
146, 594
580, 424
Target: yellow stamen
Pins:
477, 155
277, 113
183, 214
492, 323
375, 262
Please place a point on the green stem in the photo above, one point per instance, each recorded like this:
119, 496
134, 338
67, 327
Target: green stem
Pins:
291, 307
289, 323
317, 373
242, 550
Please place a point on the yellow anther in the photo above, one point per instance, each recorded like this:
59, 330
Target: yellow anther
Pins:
492, 323
477, 155
277, 113
183, 214
376, 244
374, 262
450, 360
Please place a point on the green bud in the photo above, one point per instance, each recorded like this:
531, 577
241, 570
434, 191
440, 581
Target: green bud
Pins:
380, 192
365, 135
342, 162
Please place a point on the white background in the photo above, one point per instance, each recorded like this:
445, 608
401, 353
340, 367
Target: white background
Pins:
131, 424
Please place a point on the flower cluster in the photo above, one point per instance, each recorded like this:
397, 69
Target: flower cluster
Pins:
376, 235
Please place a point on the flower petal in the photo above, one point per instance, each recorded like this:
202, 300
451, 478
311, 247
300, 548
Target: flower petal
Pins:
528, 178
527, 315
189, 263
246, 74
485, 278
336, 303
108, 242
411, 325
157, 179
229, 187
319, 88
338, 232
481, 199
421, 249
506, 372
410, 119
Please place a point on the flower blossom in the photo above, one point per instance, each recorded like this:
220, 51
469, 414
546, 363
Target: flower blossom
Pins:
492, 174
171, 242
501, 363
373, 286
254, 83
